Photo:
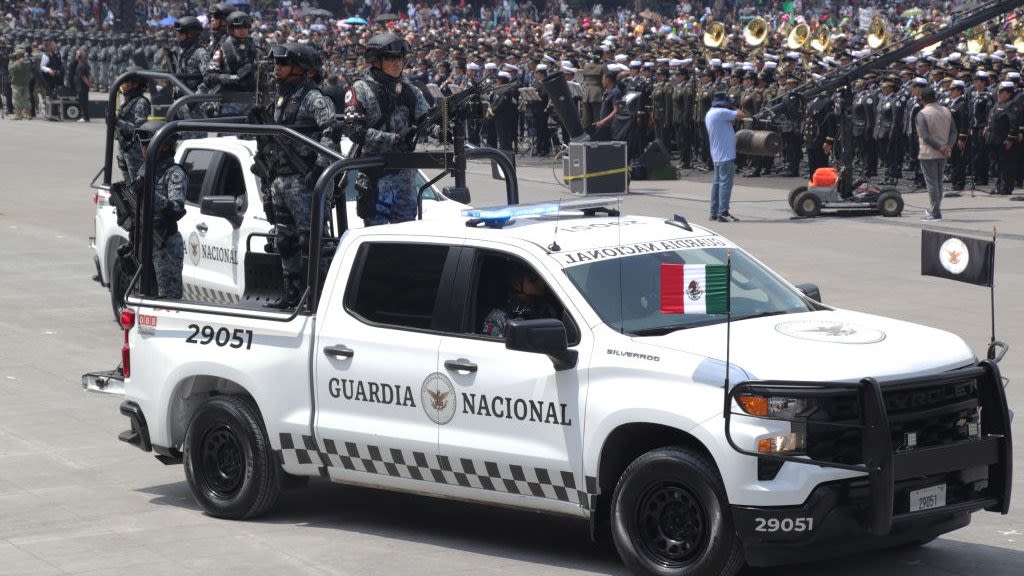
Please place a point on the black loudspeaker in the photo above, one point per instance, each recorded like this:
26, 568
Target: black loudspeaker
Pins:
654, 164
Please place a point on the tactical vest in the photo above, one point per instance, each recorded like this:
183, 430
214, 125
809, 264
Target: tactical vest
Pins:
236, 57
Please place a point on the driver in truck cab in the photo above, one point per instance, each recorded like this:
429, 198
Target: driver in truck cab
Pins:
527, 300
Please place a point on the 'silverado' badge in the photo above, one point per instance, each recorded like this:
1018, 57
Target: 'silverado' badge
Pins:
438, 398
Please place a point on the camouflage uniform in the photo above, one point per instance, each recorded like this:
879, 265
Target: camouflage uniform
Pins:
388, 107
292, 189
168, 247
21, 76
192, 60
134, 112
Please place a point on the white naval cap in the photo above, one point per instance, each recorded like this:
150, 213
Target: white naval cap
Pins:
505, 75
542, 67
920, 81
490, 66
569, 69
620, 58
959, 84
1013, 75
1007, 85
715, 62
472, 66
636, 64
675, 62
769, 65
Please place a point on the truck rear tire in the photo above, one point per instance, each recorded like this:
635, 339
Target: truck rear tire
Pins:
670, 517
229, 463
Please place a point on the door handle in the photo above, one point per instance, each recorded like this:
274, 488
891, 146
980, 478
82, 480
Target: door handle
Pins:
202, 227
460, 365
339, 351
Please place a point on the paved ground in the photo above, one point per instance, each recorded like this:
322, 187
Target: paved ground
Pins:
73, 500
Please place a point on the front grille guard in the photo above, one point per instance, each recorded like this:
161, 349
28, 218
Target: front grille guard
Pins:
883, 466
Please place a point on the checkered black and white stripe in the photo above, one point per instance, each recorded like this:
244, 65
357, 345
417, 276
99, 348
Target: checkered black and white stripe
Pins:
302, 451
202, 294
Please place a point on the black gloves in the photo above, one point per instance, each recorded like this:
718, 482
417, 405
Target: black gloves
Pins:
406, 141
353, 125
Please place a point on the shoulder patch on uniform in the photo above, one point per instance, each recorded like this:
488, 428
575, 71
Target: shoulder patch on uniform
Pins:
350, 98
177, 176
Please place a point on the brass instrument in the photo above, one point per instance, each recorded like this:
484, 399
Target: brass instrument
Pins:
1018, 37
798, 36
924, 30
821, 40
714, 36
979, 41
755, 32
878, 33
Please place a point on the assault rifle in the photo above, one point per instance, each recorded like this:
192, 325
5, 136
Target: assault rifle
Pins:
467, 104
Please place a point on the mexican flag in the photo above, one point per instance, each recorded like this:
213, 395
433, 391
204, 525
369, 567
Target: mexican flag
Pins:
694, 289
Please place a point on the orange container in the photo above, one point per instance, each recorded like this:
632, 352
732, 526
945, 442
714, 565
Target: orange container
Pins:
824, 177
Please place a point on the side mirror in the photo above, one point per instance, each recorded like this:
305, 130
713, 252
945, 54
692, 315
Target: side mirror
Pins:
544, 336
456, 194
810, 290
222, 207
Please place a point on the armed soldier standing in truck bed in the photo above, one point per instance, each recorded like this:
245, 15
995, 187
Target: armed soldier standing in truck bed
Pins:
302, 105
168, 208
232, 68
133, 112
381, 110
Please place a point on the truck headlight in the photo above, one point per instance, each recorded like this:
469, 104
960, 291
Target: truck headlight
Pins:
782, 442
776, 406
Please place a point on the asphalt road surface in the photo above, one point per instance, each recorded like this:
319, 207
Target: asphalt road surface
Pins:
74, 500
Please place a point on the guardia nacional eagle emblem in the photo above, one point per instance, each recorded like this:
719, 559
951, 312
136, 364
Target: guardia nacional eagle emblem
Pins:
438, 398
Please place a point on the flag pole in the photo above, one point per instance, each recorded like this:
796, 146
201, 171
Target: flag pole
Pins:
992, 288
728, 324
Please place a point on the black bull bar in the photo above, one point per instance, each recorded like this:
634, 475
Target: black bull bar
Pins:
885, 466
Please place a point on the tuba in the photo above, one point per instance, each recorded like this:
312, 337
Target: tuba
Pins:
878, 34
1018, 37
821, 41
714, 36
927, 29
798, 36
756, 32
978, 41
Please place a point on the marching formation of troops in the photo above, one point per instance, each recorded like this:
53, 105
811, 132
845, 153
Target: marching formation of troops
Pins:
656, 87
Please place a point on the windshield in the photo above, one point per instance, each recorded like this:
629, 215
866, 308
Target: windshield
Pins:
626, 292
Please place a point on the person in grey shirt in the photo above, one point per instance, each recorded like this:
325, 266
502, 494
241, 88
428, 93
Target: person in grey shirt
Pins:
936, 133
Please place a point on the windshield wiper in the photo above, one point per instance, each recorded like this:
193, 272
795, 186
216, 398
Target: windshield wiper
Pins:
662, 330
761, 315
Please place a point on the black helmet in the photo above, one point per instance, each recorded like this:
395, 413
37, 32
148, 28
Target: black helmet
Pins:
188, 24
239, 19
295, 54
221, 11
385, 44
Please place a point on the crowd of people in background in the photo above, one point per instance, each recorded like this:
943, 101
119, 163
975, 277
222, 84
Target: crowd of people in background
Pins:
642, 72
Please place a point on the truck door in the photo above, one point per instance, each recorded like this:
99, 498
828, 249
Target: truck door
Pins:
377, 344
518, 422
212, 258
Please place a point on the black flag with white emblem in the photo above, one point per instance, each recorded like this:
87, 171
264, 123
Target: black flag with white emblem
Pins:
957, 257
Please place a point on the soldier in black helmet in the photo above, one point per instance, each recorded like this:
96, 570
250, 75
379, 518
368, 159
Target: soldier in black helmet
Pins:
219, 15
192, 58
232, 68
133, 112
295, 171
168, 208
381, 110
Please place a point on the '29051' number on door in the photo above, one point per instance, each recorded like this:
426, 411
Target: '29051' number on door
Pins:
237, 338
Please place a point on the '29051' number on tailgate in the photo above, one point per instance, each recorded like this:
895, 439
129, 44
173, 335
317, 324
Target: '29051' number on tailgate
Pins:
236, 338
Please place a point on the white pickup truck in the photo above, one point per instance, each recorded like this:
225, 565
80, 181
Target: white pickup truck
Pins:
840, 431
215, 246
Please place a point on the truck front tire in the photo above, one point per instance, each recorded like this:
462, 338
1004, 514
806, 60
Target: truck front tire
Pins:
670, 517
229, 463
